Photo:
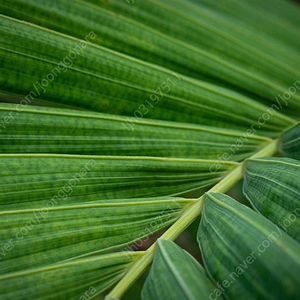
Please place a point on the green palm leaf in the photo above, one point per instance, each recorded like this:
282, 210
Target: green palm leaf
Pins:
76, 132
185, 48
118, 115
55, 232
243, 252
92, 275
123, 83
272, 187
175, 274
33, 180
291, 142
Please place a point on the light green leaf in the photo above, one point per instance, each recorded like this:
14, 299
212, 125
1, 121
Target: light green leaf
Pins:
272, 186
175, 274
76, 279
291, 142
54, 232
76, 132
245, 254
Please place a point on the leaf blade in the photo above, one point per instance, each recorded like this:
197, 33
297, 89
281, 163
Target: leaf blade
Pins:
290, 142
272, 187
119, 81
86, 133
35, 237
230, 234
170, 278
57, 280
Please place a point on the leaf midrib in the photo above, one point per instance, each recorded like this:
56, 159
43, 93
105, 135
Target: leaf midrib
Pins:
186, 218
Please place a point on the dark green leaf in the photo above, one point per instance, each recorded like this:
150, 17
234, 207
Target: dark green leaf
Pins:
112, 82
196, 47
76, 132
175, 274
245, 254
272, 185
